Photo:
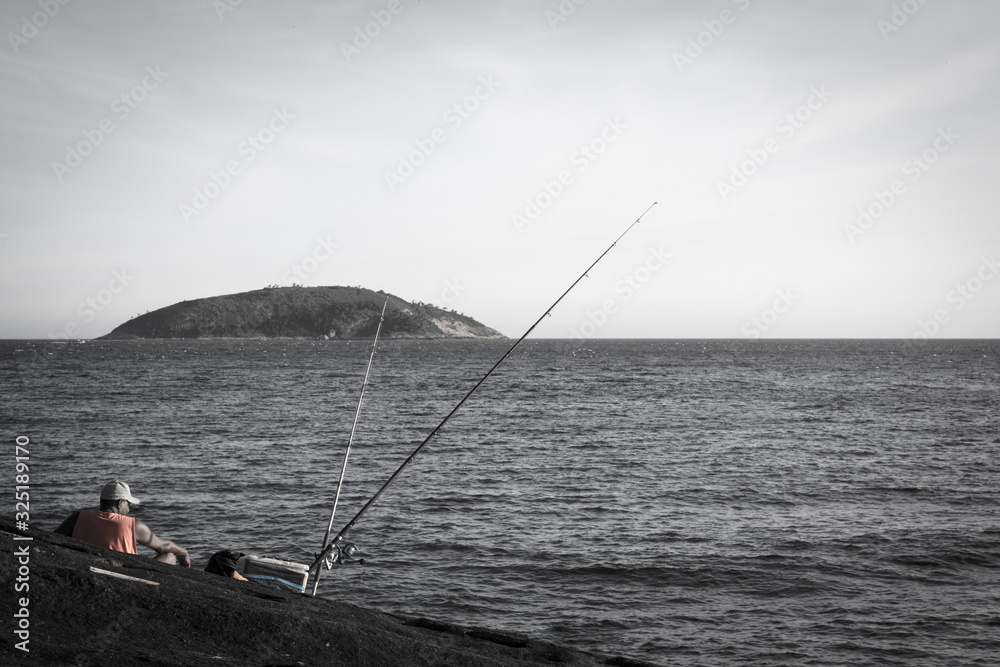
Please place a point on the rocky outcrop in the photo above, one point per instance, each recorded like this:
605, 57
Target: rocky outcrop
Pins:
87, 605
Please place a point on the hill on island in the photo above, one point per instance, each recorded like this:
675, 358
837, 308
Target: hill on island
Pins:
301, 312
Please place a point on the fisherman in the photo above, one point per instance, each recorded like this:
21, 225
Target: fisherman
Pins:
111, 527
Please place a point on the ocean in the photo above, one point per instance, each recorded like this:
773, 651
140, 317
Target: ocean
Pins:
717, 502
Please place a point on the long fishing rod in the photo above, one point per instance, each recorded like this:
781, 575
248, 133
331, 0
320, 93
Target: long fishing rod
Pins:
350, 524
354, 426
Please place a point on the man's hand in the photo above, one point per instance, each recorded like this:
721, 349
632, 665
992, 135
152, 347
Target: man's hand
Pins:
145, 537
182, 556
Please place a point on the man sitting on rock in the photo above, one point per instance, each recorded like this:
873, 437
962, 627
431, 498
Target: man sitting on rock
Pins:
111, 527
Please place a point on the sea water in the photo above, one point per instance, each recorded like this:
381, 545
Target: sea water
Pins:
682, 502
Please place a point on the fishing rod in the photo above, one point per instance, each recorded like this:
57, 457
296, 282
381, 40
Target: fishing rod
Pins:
357, 413
350, 524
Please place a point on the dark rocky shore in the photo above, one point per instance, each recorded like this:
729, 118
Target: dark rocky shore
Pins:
192, 618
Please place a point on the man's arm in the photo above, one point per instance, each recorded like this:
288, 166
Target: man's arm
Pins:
145, 537
67, 526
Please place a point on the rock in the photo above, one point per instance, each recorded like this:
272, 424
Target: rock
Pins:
193, 618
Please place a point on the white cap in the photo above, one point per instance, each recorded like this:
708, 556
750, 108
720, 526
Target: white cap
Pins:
118, 491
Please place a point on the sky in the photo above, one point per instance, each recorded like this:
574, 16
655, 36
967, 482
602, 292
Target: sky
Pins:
820, 169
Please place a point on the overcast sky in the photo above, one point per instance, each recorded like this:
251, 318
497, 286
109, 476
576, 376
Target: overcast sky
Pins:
823, 169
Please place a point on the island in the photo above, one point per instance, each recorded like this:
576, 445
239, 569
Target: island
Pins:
301, 312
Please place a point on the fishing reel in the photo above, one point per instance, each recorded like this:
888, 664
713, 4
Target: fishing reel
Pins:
343, 555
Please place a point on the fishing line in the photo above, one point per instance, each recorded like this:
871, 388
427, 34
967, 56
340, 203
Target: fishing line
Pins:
350, 524
354, 426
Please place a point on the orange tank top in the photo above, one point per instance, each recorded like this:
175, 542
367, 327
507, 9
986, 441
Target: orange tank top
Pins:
107, 529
